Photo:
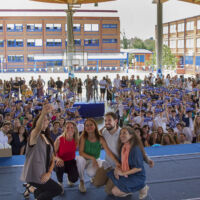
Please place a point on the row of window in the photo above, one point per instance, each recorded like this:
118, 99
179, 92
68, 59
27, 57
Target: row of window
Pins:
53, 42
180, 45
55, 27
181, 27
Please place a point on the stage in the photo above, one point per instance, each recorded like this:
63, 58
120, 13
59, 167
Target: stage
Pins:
88, 110
175, 176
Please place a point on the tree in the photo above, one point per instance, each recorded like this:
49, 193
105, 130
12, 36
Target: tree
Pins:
150, 44
137, 43
125, 41
168, 59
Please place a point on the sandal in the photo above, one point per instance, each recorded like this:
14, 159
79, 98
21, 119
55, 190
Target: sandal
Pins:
27, 191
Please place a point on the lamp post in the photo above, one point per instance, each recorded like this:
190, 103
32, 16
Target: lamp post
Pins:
70, 35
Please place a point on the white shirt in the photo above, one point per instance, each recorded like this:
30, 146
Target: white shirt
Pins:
187, 132
117, 83
3, 138
112, 142
161, 122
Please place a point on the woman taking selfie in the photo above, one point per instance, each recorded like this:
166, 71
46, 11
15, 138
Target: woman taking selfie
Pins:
40, 159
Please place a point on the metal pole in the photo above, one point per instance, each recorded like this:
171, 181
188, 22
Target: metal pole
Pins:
70, 41
159, 37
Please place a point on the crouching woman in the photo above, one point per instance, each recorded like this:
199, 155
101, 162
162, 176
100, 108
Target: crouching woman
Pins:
130, 177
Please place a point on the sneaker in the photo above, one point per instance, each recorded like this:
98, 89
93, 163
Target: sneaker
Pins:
125, 194
70, 184
61, 184
143, 192
82, 186
91, 180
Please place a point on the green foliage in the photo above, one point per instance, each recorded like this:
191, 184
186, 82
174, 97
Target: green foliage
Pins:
150, 44
168, 59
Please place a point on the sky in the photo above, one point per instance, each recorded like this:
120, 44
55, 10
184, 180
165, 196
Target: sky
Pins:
137, 17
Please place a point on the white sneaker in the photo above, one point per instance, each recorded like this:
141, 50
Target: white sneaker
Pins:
70, 183
82, 186
143, 192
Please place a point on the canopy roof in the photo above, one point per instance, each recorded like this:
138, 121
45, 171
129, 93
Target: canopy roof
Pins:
72, 1
192, 1
189, 1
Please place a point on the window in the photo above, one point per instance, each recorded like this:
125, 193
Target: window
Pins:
91, 42
16, 58
181, 27
165, 30
15, 43
33, 27
91, 27
34, 42
14, 27
180, 44
189, 43
30, 58
165, 42
77, 27
1, 43
53, 42
189, 60
198, 24
173, 28
1, 27
172, 44
109, 40
190, 26
198, 42
109, 25
77, 42
53, 27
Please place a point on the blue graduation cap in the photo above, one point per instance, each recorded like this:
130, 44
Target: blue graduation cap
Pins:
189, 109
7, 110
136, 108
126, 107
147, 119
159, 102
2, 104
159, 110
38, 107
82, 121
5, 96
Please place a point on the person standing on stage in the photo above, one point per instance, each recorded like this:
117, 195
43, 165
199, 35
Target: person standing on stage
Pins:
39, 162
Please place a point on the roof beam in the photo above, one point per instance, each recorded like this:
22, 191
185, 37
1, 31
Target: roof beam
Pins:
159, 1
192, 1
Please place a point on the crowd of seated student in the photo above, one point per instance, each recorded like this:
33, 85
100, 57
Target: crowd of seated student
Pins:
155, 106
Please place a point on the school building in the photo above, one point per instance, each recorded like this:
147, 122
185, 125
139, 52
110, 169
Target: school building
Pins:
183, 38
38, 43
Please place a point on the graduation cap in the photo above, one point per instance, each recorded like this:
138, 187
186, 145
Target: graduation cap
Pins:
18, 101
189, 103
2, 104
7, 110
159, 110
126, 107
82, 121
5, 96
159, 102
195, 90
147, 119
136, 108
72, 110
127, 89
189, 109
38, 107
142, 96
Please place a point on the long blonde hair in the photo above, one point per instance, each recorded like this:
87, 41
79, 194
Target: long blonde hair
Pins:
196, 124
76, 134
